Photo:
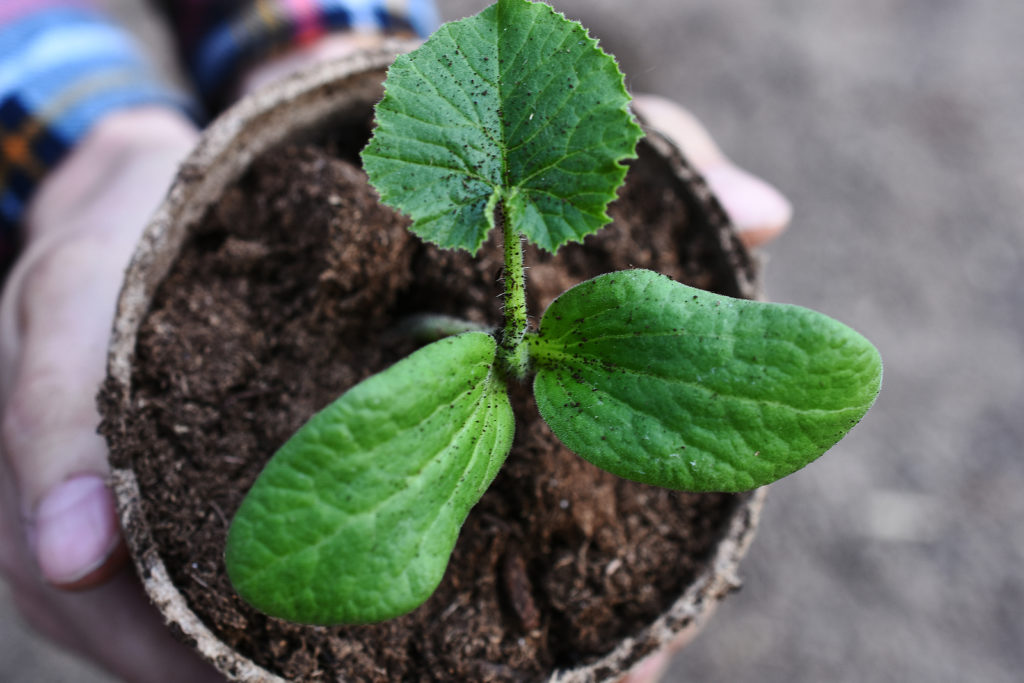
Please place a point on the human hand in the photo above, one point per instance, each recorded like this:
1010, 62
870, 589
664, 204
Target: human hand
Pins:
58, 524
759, 212
61, 549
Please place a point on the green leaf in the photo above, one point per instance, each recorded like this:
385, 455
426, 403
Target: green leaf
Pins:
669, 385
354, 518
516, 105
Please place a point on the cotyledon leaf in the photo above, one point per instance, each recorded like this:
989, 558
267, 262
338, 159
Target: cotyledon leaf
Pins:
516, 106
354, 518
665, 384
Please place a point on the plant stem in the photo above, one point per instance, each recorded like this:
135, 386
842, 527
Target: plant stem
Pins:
514, 352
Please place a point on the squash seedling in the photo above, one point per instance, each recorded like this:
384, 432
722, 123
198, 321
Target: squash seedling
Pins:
514, 119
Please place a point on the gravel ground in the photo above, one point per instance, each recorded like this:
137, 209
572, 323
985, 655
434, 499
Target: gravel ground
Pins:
894, 127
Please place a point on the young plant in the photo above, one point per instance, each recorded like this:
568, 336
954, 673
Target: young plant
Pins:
515, 119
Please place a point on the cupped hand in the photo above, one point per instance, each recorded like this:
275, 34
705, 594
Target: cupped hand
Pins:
60, 546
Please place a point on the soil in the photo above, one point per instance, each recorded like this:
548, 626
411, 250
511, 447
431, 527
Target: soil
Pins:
289, 294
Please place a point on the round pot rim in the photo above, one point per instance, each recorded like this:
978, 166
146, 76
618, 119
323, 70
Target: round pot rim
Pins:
253, 125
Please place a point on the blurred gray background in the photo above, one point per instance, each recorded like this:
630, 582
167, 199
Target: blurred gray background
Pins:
895, 128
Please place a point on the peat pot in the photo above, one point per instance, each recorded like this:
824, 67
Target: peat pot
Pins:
271, 280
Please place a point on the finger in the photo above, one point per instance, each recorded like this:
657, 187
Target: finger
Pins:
758, 210
114, 625
56, 313
50, 420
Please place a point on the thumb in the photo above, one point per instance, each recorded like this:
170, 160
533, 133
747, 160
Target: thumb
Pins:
56, 316
62, 304
758, 210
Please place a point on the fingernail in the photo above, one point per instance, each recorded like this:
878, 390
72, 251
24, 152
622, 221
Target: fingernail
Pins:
757, 209
75, 530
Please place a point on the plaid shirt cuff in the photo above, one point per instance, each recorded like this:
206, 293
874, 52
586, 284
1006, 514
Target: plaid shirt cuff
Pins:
63, 66
221, 39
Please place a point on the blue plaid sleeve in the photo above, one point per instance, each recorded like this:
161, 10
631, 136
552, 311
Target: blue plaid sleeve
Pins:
63, 66
220, 38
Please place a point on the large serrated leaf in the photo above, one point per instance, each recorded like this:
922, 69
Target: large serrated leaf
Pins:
516, 105
669, 385
354, 518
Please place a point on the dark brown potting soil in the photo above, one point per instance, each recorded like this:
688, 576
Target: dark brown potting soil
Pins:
289, 294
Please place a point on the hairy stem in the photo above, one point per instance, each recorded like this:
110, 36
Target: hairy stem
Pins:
514, 352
